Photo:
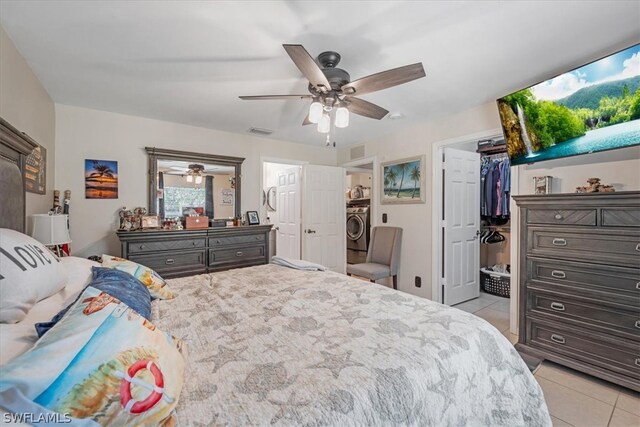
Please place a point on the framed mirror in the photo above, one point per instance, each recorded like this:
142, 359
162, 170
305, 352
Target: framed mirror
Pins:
182, 183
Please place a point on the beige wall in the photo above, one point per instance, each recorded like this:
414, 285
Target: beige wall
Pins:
618, 167
415, 219
90, 134
26, 105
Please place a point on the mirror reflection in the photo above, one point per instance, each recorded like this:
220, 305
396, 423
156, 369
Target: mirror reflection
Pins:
186, 187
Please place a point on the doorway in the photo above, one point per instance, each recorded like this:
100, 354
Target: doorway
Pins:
471, 246
305, 204
359, 210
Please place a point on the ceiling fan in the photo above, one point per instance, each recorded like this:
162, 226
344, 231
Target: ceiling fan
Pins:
331, 88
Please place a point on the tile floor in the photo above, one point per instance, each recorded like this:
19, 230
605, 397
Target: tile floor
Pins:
573, 398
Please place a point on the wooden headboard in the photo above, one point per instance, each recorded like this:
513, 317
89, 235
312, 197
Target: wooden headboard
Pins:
15, 146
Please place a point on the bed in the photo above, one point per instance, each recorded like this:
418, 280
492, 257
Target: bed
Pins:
270, 345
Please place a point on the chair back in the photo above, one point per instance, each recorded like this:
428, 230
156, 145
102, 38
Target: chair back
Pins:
384, 247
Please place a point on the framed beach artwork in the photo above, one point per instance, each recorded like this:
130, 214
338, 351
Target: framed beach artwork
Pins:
403, 181
100, 179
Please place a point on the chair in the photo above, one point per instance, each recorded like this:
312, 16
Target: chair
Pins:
383, 256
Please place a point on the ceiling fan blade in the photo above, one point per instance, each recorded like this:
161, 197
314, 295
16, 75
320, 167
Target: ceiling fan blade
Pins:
271, 97
365, 108
308, 66
384, 80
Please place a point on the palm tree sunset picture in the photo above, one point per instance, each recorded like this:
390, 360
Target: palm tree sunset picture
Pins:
101, 179
403, 181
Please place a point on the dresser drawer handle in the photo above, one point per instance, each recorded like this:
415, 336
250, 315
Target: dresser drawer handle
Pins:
193, 243
239, 253
218, 241
557, 306
638, 361
638, 247
141, 246
558, 274
638, 324
558, 338
558, 216
559, 242
169, 261
638, 285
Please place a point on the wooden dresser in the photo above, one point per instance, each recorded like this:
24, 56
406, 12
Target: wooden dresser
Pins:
580, 282
188, 252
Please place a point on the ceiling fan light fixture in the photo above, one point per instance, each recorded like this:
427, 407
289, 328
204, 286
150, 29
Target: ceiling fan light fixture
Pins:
324, 125
342, 117
189, 178
315, 112
198, 179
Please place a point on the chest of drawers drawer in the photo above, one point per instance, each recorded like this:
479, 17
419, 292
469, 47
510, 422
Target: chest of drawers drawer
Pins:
619, 248
614, 319
612, 217
236, 255
172, 264
607, 352
562, 216
165, 245
236, 240
606, 282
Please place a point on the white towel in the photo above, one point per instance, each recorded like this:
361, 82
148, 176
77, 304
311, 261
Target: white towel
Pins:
297, 264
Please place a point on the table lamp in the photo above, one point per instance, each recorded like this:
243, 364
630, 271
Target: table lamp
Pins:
51, 230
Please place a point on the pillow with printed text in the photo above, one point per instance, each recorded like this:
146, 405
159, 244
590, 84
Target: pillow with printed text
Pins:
29, 272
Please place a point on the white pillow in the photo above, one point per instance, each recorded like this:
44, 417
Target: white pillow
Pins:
17, 338
29, 272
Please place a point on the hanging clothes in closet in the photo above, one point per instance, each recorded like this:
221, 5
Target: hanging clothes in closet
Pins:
495, 179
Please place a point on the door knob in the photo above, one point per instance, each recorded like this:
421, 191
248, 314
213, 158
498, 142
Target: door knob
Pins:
310, 231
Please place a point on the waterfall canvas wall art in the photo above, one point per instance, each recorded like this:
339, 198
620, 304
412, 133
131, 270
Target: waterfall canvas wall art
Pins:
403, 181
593, 108
100, 179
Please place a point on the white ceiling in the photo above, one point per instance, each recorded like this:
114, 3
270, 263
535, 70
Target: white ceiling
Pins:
187, 62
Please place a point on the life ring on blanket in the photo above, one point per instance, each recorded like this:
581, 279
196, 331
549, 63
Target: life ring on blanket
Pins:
157, 391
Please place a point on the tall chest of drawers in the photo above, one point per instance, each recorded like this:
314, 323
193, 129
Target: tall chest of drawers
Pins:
579, 284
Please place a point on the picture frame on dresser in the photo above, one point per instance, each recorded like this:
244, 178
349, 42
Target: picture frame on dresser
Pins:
253, 218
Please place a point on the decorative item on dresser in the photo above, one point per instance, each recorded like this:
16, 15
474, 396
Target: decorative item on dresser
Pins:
580, 282
177, 253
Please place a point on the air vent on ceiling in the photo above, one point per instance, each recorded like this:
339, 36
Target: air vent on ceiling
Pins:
357, 152
260, 131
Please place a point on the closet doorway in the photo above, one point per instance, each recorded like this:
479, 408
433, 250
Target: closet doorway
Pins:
472, 250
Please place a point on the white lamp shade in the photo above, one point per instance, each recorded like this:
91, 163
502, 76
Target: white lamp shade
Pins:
189, 178
50, 229
324, 125
315, 112
342, 117
198, 179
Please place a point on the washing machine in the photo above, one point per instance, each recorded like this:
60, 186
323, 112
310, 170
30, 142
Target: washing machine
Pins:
358, 233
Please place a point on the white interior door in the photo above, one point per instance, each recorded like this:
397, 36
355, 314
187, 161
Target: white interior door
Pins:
461, 223
288, 213
324, 216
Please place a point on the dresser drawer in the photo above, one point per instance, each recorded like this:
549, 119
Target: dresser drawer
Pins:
596, 247
174, 263
615, 319
562, 216
236, 255
236, 240
165, 245
612, 353
620, 217
585, 279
